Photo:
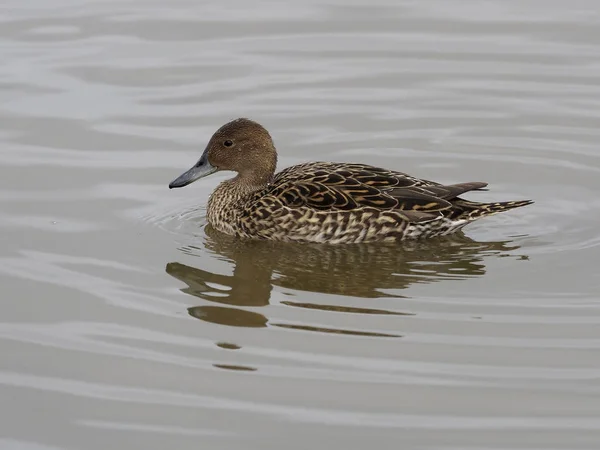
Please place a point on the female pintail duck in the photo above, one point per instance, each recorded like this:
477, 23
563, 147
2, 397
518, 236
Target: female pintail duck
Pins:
324, 201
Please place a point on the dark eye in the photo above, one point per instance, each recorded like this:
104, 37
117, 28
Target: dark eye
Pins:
228, 143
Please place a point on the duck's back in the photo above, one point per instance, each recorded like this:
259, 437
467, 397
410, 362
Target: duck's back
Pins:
349, 203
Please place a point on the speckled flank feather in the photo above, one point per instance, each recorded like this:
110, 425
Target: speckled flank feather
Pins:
324, 201
347, 203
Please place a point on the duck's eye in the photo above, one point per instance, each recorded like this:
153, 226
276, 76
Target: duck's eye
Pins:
228, 143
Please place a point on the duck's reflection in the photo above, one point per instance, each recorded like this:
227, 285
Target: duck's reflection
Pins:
367, 271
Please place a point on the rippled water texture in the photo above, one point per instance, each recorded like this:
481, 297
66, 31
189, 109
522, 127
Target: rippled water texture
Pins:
126, 322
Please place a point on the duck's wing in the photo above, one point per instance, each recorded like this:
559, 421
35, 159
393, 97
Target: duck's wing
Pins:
346, 187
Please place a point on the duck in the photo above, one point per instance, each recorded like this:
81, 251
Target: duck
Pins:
325, 202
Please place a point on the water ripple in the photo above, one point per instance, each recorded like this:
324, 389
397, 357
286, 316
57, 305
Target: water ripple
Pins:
138, 325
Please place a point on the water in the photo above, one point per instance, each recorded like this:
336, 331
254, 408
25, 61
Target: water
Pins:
125, 322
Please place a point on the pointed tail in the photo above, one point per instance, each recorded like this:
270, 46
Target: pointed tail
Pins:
489, 209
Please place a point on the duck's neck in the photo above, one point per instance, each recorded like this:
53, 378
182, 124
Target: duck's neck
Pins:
227, 202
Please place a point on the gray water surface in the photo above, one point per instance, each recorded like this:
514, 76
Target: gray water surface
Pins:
125, 322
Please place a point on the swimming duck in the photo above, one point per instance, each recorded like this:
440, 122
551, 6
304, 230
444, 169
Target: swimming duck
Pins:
327, 202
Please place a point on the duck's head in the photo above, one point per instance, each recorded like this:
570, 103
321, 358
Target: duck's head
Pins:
242, 146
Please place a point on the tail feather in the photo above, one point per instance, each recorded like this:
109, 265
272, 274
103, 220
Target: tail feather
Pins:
478, 210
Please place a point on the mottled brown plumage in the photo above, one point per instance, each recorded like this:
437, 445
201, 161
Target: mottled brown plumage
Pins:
325, 201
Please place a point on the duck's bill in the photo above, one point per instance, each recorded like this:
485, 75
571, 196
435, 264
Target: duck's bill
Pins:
202, 169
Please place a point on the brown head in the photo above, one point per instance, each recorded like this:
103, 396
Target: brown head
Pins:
242, 146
